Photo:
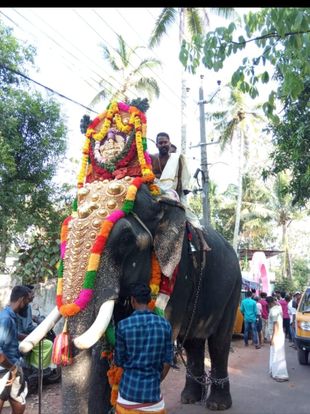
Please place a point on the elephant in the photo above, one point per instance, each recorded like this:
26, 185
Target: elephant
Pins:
202, 305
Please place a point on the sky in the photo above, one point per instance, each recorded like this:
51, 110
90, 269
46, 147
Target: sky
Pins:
69, 61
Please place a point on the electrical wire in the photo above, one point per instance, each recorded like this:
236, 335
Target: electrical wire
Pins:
134, 51
46, 87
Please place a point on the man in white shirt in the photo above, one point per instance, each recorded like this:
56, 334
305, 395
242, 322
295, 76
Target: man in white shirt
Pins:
173, 177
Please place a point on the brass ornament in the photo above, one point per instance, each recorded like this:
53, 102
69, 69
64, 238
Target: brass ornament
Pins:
100, 200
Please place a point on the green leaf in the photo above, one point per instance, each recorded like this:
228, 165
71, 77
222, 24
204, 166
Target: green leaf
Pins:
265, 77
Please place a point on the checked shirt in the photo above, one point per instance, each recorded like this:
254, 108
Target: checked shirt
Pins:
143, 345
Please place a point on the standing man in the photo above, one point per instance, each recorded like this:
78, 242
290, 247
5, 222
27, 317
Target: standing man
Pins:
12, 384
25, 325
144, 350
248, 310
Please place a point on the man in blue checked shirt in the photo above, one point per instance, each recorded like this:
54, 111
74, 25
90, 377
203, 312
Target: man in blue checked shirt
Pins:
144, 349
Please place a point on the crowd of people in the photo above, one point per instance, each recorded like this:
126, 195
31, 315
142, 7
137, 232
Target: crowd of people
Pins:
271, 319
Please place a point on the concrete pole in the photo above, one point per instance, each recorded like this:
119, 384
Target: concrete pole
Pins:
203, 159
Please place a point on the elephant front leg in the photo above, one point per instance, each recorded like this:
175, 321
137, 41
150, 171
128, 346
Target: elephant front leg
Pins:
195, 371
219, 398
75, 384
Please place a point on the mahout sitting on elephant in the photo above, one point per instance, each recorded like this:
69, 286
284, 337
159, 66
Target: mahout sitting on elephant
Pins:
121, 231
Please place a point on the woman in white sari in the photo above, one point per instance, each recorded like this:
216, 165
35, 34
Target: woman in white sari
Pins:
277, 361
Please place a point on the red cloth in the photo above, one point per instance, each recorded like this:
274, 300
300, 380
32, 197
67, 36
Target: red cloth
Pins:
265, 309
167, 285
284, 305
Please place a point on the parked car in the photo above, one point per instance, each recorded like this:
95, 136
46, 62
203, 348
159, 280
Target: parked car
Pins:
303, 327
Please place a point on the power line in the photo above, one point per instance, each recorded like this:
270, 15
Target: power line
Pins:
46, 87
83, 54
57, 44
68, 52
98, 34
31, 34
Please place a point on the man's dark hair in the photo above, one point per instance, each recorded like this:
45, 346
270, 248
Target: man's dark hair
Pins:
248, 293
141, 292
19, 292
263, 295
31, 287
162, 134
270, 299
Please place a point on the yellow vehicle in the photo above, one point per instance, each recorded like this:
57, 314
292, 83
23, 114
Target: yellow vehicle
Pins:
246, 285
303, 327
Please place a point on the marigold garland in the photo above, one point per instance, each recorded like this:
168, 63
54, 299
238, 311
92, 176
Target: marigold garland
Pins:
86, 292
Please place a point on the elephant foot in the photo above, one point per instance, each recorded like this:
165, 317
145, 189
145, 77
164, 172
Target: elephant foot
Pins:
218, 406
191, 394
219, 399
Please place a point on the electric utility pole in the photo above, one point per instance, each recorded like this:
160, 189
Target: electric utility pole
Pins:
203, 159
205, 198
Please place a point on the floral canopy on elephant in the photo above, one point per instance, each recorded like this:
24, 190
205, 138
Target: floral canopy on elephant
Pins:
115, 143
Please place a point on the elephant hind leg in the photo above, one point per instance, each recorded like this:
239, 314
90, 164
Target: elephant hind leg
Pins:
219, 398
195, 371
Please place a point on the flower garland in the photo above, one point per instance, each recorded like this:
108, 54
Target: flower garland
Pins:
86, 293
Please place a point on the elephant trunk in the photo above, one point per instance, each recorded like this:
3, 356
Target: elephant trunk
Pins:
40, 331
98, 328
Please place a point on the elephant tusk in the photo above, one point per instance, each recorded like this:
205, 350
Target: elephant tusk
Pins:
98, 328
40, 331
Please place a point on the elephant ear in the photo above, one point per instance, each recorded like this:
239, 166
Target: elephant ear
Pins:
169, 236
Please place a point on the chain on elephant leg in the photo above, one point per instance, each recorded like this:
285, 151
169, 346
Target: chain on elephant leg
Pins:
195, 388
219, 398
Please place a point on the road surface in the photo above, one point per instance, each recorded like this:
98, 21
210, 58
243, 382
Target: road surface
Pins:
252, 389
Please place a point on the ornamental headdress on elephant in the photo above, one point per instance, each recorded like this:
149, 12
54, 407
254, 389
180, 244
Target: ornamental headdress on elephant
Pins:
114, 143
115, 163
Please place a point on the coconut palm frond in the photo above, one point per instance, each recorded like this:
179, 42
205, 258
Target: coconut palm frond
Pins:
110, 58
165, 19
228, 133
122, 51
194, 21
147, 64
226, 12
149, 85
205, 17
103, 94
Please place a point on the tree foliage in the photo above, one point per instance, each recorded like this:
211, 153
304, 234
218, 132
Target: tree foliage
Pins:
292, 147
33, 141
282, 37
129, 72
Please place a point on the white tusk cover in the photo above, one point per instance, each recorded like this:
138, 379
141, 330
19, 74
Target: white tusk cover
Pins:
40, 331
98, 328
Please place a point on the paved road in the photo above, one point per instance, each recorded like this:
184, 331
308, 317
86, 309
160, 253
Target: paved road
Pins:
253, 391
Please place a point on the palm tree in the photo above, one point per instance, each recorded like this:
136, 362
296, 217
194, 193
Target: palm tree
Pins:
234, 125
284, 213
129, 73
256, 230
192, 23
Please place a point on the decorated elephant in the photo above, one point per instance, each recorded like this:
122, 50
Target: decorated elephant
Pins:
106, 248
